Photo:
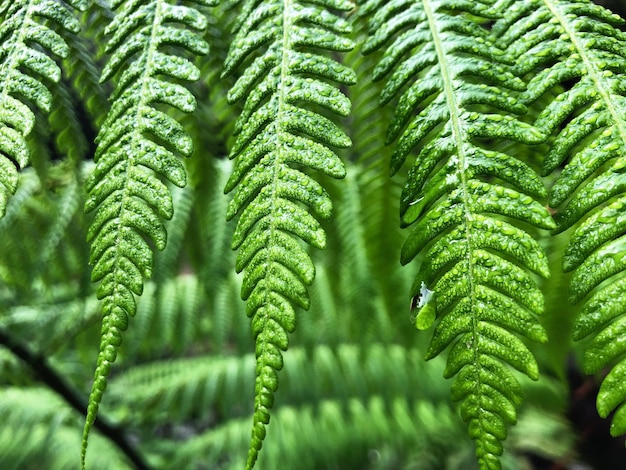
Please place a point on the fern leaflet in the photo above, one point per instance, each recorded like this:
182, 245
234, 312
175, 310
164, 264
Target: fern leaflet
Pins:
282, 130
582, 52
454, 96
137, 147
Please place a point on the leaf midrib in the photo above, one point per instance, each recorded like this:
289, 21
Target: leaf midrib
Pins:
273, 196
136, 135
457, 124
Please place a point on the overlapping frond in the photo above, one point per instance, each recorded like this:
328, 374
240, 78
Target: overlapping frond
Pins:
138, 148
42, 236
40, 429
371, 208
288, 83
337, 379
31, 37
347, 431
84, 65
454, 97
184, 388
355, 433
582, 53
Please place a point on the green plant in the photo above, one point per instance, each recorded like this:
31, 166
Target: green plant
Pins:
477, 98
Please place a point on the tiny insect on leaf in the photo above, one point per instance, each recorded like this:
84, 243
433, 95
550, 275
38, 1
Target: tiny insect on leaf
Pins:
423, 308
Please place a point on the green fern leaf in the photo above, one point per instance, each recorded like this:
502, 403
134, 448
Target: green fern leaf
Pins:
83, 69
586, 67
282, 129
137, 148
28, 42
453, 91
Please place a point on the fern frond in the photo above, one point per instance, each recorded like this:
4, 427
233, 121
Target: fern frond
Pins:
42, 236
28, 44
83, 70
281, 129
184, 388
15, 259
71, 142
346, 430
188, 387
214, 115
582, 49
344, 285
71, 136
38, 427
337, 379
209, 243
454, 96
378, 195
138, 146
169, 315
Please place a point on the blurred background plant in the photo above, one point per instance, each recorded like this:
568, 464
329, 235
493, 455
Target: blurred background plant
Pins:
355, 392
